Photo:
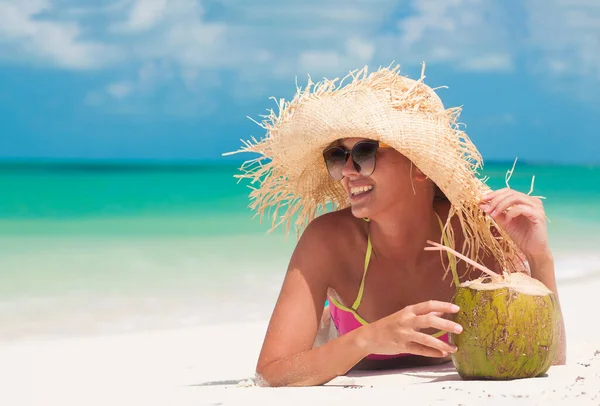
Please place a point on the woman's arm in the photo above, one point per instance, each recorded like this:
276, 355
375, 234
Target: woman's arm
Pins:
287, 357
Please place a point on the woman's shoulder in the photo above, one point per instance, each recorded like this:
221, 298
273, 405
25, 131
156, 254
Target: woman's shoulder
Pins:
340, 226
332, 236
334, 241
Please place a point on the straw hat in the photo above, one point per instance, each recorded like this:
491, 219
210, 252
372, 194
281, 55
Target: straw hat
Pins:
403, 113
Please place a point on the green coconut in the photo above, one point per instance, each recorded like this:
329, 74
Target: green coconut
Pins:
510, 326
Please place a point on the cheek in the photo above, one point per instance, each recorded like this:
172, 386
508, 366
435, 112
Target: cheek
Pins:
392, 177
389, 168
345, 183
387, 182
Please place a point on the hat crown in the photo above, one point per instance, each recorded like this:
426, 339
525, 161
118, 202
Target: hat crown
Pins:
405, 114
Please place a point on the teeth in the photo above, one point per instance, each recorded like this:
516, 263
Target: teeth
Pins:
360, 189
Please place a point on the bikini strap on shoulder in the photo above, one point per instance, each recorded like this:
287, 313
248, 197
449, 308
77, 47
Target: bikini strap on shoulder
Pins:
362, 282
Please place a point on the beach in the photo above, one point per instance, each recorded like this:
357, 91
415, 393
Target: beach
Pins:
154, 286
161, 161
214, 365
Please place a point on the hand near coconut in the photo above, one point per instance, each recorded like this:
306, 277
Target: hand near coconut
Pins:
522, 217
400, 332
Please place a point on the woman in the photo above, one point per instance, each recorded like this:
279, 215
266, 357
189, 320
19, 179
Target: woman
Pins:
390, 159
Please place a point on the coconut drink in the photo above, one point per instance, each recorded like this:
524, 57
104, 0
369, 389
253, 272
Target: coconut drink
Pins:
510, 325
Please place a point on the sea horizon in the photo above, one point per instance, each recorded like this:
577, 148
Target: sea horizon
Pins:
89, 247
217, 161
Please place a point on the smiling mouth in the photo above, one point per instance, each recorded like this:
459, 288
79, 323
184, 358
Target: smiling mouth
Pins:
359, 190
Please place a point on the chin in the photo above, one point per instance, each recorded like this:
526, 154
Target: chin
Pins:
363, 206
360, 211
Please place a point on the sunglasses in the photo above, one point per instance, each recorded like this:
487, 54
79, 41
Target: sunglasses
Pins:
363, 155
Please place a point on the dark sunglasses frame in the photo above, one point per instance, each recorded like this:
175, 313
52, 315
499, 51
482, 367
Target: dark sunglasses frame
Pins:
353, 153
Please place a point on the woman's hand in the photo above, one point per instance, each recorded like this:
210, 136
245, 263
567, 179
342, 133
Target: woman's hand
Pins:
522, 217
524, 220
400, 331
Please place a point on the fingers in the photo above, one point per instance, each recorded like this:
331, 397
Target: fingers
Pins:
425, 351
495, 194
434, 306
505, 201
505, 205
526, 211
496, 201
433, 343
404, 329
431, 321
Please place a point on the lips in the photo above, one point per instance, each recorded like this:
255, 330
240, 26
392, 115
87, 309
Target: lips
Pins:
359, 190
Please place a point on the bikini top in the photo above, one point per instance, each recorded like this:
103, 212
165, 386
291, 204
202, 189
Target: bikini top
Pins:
347, 319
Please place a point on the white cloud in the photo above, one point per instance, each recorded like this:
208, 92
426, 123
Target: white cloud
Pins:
178, 35
312, 12
355, 53
563, 48
179, 46
174, 36
488, 62
360, 48
95, 10
25, 33
145, 14
152, 73
119, 90
565, 38
466, 34
319, 60
308, 37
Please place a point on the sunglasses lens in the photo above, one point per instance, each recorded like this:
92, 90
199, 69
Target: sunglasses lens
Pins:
335, 159
363, 155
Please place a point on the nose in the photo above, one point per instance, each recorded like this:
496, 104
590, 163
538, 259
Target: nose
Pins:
349, 168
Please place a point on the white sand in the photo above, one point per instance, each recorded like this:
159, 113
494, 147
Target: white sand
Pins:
203, 366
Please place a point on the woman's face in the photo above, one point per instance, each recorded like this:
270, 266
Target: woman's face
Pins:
392, 183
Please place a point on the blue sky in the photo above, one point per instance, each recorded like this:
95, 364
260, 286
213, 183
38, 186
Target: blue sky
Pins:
175, 79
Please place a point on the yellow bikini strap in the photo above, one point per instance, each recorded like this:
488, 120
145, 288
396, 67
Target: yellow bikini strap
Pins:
362, 282
368, 258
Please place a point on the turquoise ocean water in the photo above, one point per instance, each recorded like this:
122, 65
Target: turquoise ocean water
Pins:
96, 248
